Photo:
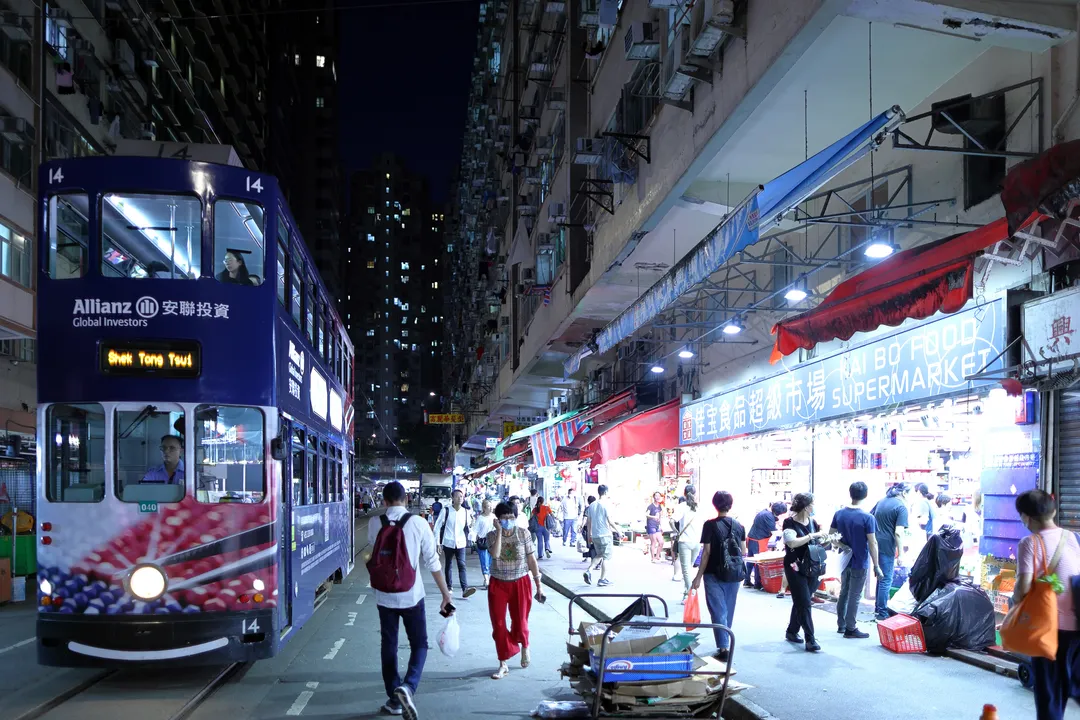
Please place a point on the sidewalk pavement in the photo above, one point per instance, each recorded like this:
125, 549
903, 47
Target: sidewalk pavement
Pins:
847, 680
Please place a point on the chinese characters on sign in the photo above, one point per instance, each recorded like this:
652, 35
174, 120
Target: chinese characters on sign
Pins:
93, 312
509, 428
932, 359
1049, 327
446, 419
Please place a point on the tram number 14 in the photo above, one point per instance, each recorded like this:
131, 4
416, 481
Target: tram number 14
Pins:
249, 627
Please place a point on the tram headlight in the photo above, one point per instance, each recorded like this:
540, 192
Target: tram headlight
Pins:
147, 582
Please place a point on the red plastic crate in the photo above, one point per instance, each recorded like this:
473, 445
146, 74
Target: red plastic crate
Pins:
901, 634
772, 575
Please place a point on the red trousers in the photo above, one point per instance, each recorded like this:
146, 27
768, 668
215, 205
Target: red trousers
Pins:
517, 595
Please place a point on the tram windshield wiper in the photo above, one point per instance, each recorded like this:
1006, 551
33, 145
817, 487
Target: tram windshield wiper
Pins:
139, 419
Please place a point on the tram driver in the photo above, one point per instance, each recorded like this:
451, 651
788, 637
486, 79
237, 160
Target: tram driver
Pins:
171, 470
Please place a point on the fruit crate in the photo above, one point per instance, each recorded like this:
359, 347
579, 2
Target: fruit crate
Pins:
901, 634
772, 575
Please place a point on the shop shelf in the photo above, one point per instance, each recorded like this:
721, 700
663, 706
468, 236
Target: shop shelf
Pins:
901, 634
772, 575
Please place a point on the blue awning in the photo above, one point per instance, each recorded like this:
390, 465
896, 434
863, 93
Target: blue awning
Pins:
739, 230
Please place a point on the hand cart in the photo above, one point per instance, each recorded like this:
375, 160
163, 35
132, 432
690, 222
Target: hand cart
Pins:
715, 706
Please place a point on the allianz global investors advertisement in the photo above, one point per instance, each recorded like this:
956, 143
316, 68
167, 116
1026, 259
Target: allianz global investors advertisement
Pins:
93, 312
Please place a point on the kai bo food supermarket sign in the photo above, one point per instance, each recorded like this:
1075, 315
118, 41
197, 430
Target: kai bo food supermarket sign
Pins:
925, 361
92, 312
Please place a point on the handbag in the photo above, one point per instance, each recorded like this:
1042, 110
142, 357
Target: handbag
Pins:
1031, 627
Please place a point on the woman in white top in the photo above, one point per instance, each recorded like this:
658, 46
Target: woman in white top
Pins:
485, 524
689, 538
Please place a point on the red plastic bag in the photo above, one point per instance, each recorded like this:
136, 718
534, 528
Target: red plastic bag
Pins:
692, 610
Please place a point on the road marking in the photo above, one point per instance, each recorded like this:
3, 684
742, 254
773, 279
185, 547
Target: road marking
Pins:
334, 650
17, 645
360, 600
302, 700
352, 620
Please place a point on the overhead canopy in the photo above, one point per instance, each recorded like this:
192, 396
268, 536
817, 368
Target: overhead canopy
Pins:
913, 284
647, 431
738, 231
479, 472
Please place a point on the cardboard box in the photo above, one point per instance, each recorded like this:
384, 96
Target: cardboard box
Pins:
630, 661
5, 580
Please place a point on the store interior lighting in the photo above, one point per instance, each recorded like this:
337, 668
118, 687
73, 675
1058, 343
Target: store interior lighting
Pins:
797, 292
880, 249
686, 353
657, 368
733, 327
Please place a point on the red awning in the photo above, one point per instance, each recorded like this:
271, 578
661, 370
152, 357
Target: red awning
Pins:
615, 406
493, 466
915, 283
647, 431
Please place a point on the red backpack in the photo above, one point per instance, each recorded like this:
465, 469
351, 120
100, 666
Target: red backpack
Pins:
390, 568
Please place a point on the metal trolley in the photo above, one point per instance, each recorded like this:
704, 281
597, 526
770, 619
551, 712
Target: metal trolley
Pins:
715, 707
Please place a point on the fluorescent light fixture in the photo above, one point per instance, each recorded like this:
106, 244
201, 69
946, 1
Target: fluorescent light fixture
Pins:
879, 249
734, 327
795, 295
431, 394
686, 353
658, 369
126, 206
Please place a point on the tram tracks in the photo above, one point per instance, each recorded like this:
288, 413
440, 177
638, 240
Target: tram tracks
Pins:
157, 694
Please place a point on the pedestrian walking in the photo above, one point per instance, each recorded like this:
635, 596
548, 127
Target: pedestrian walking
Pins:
599, 527
452, 530
514, 559
891, 516
858, 535
402, 598
588, 552
539, 529
571, 510
688, 537
800, 569
653, 513
722, 567
1055, 680
485, 525
757, 540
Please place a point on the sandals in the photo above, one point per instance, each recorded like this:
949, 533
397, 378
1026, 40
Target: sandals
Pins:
502, 672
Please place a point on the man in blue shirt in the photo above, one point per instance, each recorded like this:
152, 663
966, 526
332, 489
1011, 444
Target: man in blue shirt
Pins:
764, 527
891, 515
171, 470
857, 530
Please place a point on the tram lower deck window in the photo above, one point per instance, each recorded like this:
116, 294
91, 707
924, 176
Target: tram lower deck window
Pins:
75, 453
229, 454
150, 454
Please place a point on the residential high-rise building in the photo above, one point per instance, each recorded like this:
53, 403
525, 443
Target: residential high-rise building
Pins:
394, 260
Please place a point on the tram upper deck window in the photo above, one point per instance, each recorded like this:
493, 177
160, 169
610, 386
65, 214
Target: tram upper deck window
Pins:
69, 235
239, 246
229, 454
150, 455
296, 290
75, 455
151, 236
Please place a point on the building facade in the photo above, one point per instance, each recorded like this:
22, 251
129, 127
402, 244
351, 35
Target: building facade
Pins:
606, 141
395, 255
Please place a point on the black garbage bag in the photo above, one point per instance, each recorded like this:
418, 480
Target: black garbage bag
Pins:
938, 563
640, 607
959, 615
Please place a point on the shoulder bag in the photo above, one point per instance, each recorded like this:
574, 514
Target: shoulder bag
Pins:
1031, 627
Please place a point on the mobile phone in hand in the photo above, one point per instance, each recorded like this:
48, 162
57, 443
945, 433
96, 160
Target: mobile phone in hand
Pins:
450, 609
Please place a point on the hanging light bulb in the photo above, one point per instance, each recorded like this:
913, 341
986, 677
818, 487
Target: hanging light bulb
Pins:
880, 249
733, 327
686, 353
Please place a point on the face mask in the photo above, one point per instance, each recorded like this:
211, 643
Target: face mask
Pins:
507, 524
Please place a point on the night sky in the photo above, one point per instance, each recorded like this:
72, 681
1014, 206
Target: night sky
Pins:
403, 82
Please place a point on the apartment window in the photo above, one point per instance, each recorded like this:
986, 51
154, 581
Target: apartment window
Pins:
371, 332
14, 256
320, 102
370, 210
296, 59
56, 33
388, 191
19, 350
320, 61
405, 279
404, 333
371, 264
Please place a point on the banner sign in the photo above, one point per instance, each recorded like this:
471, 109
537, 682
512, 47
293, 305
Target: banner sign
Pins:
1050, 326
446, 419
510, 427
919, 363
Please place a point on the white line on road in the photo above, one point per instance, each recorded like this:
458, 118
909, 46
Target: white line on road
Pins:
334, 650
17, 645
302, 700
352, 620
360, 600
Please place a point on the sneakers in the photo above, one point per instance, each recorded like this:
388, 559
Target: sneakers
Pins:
404, 697
391, 708
468, 592
588, 578
604, 583
856, 634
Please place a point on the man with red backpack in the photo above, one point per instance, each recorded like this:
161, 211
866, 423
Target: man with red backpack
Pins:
400, 541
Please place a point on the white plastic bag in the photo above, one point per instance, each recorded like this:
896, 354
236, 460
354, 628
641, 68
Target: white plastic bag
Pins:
450, 637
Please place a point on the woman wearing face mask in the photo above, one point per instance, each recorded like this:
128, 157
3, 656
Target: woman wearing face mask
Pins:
513, 560
799, 531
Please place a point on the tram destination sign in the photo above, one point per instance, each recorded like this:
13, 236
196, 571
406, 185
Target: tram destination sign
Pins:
158, 358
918, 363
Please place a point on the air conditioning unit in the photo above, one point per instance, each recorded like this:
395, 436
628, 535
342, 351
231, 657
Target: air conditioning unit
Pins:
544, 244
557, 213
532, 175
124, 57
554, 8
149, 59
529, 113
543, 145
146, 131
17, 28
556, 98
528, 275
642, 41
16, 130
589, 151
714, 30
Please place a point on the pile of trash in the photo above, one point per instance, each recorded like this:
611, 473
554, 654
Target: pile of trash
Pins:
649, 671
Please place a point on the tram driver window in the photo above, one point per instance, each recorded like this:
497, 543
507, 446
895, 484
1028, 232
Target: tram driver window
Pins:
239, 246
68, 230
151, 454
75, 453
151, 236
229, 454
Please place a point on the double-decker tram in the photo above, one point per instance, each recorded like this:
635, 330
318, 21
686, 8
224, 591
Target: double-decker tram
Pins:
194, 416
